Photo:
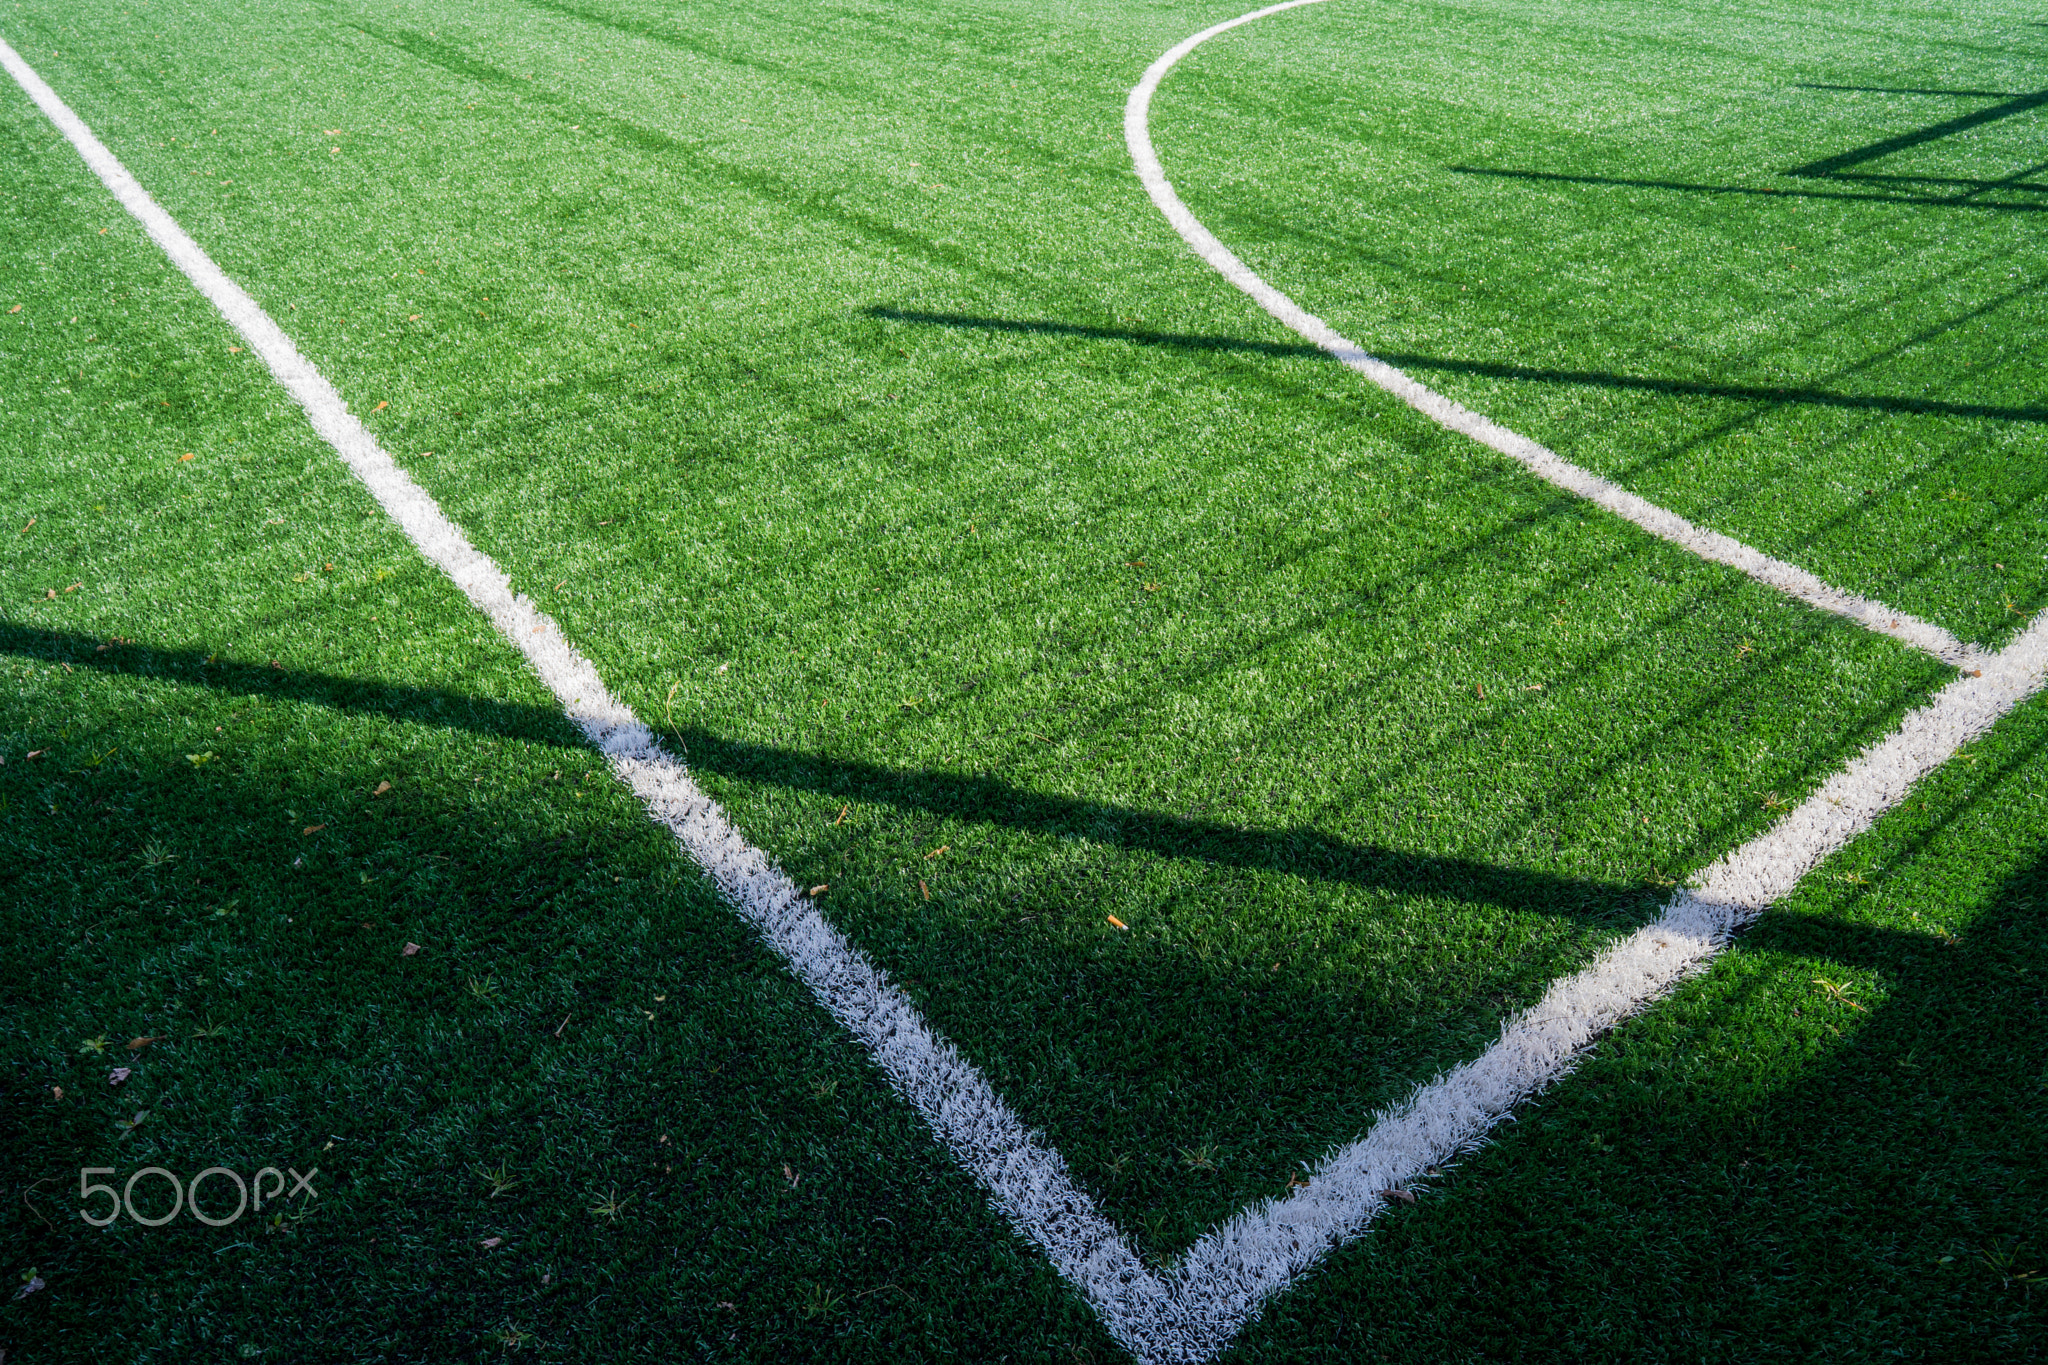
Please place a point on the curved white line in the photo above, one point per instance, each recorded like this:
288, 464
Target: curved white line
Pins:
1539, 460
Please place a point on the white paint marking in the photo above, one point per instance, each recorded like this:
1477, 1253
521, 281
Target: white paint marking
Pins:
1190, 1314
1255, 1255
1027, 1180
1538, 459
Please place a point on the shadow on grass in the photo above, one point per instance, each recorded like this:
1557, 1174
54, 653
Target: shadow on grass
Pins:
1300, 851
1838, 168
1755, 393
1709, 1183
581, 1016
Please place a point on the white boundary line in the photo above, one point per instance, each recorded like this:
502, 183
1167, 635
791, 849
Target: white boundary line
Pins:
1026, 1179
1539, 460
1192, 1313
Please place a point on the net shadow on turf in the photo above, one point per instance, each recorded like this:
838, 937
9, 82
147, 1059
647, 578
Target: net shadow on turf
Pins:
1966, 192
1768, 399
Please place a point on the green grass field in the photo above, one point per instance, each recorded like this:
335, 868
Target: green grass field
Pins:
823, 370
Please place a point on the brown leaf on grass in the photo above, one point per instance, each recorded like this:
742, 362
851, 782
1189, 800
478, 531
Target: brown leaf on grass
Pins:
791, 1176
381, 406
118, 1075
408, 950
15, 309
37, 753
311, 829
1405, 1196
926, 889
31, 522
817, 890
187, 458
382, 787
57, 1092
936, 852
490, 1242
137, 1044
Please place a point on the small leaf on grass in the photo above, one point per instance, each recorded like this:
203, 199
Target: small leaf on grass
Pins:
137, 1044
31, 522
409, 950
382, 787
187, 458
1117, 922
118, 1075
926, 889
15, 309
311, 829
31, 1282
130, 1125
57, 1092
234, 350
490, 1242
1405, 1196
381, 406
817, 890
791, 1176
93, 1045
936, 852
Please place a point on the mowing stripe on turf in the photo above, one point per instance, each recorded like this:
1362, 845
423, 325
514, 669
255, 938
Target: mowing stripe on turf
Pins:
1191, 1313
1540, 460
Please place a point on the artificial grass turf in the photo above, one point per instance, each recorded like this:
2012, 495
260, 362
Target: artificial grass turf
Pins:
1622, 230
1762, 1168
203, 851
1210, 657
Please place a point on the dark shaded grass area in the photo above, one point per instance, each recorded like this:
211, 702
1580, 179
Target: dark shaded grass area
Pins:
1760, 1169
588, 1057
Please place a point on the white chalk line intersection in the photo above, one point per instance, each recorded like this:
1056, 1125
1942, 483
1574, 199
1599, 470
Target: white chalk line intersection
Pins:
1192, 1312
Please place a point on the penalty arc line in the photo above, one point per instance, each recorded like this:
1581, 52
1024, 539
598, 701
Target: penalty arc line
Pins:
1539, 460
1191, 1313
